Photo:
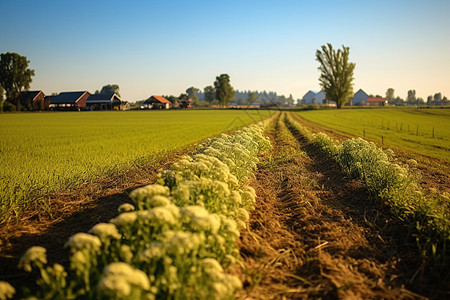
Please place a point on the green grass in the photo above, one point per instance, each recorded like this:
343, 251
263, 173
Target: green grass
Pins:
45, 152
425, 131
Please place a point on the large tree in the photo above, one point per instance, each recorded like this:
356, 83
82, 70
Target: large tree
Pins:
390, 94
210, 93
14, 75
224, 91
411, 97
110, 88
336, 77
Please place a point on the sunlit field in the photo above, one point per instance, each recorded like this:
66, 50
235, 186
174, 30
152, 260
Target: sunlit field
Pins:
44, 152
426, 131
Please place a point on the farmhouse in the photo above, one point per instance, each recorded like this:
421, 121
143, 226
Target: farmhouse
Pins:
359, 98
308, 98
376, 101
316, 98
106, 101
34, 100
69, 101
156, 102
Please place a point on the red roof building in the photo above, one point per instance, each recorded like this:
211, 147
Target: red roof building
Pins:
371, 101
156, 102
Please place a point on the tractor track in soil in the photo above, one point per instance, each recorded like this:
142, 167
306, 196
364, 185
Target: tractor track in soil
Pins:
315, 234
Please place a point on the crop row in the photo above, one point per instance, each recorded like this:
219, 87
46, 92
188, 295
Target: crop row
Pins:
393, 184
174, 242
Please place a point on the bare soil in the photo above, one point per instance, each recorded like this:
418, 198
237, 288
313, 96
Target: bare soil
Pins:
316, 234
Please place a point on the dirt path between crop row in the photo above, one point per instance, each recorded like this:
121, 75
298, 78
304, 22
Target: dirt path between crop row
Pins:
315, 234
71, 212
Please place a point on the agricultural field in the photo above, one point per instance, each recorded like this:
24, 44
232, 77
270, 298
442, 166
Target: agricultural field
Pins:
268, 211
42, 153
426, 131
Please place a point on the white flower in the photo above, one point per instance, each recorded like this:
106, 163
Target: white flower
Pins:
158, 214
211, 265
130, 275
7, 291
35, 255
140, 195
124, 219
153, 252
242, 214
105, 230
158, 200
115, 285
126, 207
126, 253
80, 241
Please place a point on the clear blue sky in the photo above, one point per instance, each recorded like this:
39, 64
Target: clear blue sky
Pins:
164, 47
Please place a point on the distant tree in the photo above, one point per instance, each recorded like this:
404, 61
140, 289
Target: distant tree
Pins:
430, 100
97, 92
281, 100
224, 91
336, 77
390, 95
290, 100
173, 100
399, 101
14, 76
437, 98
110, 88
252, 98
183, 100
210, 93
411, 98
192, 94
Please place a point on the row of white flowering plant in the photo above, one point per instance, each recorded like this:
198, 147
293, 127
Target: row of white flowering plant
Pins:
174, 242
393, 183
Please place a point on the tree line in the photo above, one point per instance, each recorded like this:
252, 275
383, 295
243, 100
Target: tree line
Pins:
412, 99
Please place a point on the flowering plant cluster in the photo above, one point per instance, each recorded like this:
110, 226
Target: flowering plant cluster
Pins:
174, 242
390, 183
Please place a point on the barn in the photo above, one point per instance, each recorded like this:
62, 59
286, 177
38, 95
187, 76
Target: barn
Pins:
34, 100
69, 101
156, 102
106, 101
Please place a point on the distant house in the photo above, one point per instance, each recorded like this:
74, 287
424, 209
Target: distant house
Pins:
359, 98
308, 98
156, 102
69, 101
106, 101
34, 100
376, 101
319, 98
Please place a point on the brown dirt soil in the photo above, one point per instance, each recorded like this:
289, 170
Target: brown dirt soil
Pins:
315, 234
71, 212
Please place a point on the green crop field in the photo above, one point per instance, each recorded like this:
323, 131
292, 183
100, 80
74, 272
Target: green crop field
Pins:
426, 131
44, 152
